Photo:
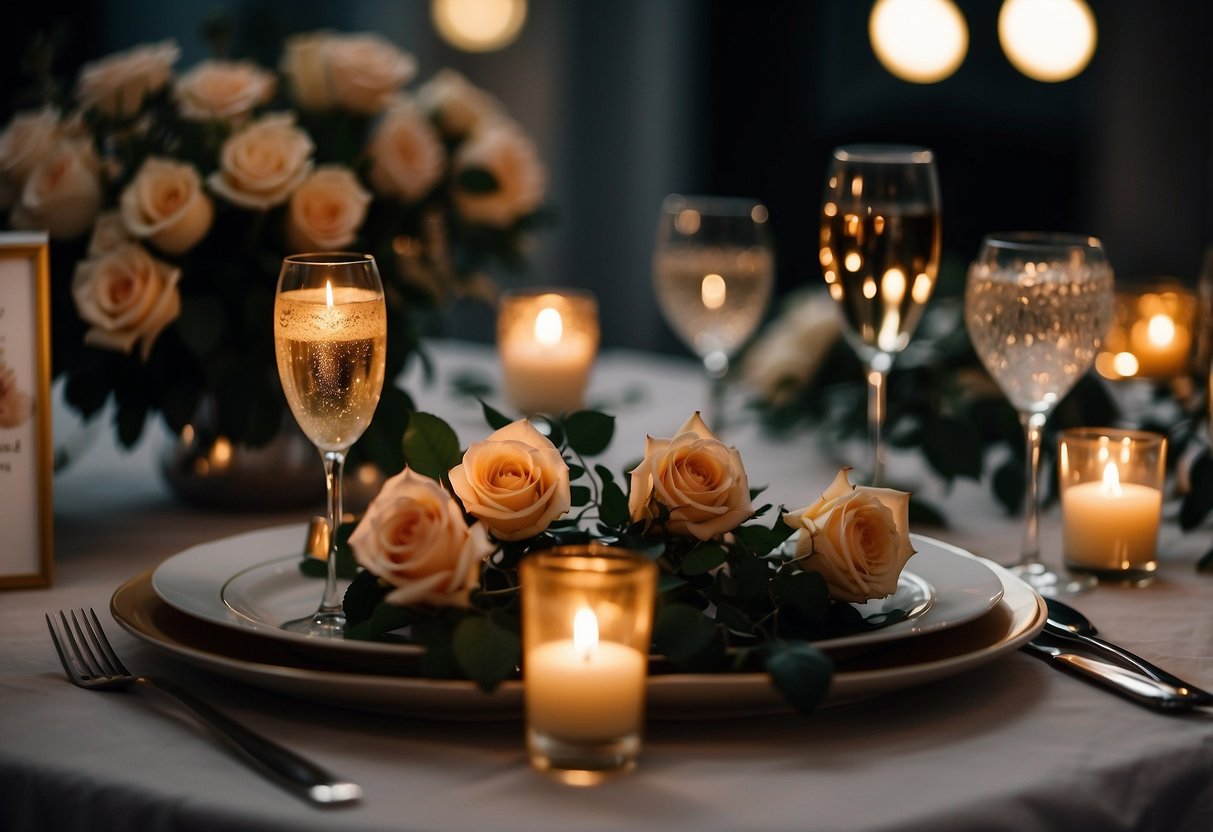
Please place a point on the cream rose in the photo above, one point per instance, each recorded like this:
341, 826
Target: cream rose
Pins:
327, 210
358, 72
263, 163
698, 479
26, 141
222, 90
857, 537
504, 152
126, 296
515, 482
414, 537
118, 84
456, 105
15, 406
63, 192
109, 233
407, 156
166, 205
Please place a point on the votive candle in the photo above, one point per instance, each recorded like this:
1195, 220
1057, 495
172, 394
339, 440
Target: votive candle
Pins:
547, 340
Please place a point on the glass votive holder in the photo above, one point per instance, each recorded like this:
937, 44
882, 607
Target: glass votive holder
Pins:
1111, 502
1152, 332
547, 340
587, 621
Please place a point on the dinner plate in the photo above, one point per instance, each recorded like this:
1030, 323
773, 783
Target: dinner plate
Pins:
274, 664
252, 582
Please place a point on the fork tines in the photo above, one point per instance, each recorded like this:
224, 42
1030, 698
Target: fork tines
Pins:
83, 648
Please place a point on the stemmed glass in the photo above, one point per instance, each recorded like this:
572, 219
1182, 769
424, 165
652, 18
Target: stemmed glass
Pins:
330, 336
880, 245
1037, 307
713, 271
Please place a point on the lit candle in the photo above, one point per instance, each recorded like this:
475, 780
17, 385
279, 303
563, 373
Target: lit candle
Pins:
547, 342
1161, 346
1151, 336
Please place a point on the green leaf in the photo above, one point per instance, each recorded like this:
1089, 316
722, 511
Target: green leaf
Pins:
1205, 564
1008, 485
805, 592
487, 652
952, 447
201, 324
576, 472
801, 673
752, 576
925, 513
129, 421
388, 617
495, 418
703, 559
476, 181
579, 495
762, 540
666, 583
683, 633
361, 597
589, 432
430, 445
604, 474
1198, 502
614, 508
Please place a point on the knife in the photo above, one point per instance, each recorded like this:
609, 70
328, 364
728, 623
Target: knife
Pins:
1132, 685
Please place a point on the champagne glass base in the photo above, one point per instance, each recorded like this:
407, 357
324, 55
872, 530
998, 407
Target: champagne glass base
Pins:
320, 625
1052, 584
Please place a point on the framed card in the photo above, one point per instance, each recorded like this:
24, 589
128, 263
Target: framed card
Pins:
26, 516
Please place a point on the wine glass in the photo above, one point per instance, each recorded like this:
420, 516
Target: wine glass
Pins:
1037, 307
330, 336
880, 244
713, 271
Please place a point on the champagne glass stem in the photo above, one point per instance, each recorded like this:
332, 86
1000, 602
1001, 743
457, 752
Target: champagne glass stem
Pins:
878, 376
717, 366
331, 612
1033, 425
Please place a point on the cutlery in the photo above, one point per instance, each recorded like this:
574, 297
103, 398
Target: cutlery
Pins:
1136, 687
91, 663
1067, 622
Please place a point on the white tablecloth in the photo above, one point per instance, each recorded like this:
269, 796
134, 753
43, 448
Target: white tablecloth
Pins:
1012, 745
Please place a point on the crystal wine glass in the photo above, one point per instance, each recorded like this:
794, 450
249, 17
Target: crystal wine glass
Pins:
713, 271
1037, 307
330, 335
880, 244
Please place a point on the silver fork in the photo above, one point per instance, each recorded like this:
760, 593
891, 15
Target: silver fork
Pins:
90, 662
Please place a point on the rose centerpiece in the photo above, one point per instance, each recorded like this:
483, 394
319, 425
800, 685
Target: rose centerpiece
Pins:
435, 558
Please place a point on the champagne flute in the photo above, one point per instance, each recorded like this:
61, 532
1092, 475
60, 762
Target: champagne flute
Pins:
880, 243
713, 272
330, 336
1037, 307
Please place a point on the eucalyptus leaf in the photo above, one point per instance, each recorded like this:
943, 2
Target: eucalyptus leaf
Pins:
579, 495
801, 673
604, 473
487, 652
430, 445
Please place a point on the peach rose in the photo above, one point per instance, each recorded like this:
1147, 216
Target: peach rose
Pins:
109, 233
126, 296
505, 152
327, 210
698, 479
414, 537
457, 106
857, 537
15, 406
26, 141
263, 163
118, 84
222, 90
166, 205
407, 156
63, 192
358, 72
515, 482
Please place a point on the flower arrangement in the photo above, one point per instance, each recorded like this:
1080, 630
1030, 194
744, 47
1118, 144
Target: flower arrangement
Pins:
171, 199
436, 555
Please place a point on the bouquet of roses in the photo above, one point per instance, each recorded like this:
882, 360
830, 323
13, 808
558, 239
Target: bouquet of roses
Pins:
438, 550
171, 200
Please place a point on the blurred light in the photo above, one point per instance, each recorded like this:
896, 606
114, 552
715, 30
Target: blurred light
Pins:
893, 286
921, 292
549, 328
853, 262
759, 214
1047, 40
712, 291
1161, 330
922, 41
478, 25
687, 221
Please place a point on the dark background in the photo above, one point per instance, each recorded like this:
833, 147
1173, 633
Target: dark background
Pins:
631, 99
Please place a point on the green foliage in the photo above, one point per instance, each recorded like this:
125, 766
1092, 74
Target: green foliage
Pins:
430, 445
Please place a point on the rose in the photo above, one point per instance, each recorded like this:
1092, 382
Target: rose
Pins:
856, 537
456, 105
510, 160
222, 90
118, 84
126, 296
515, 482
262, 164
63, 192
165, 204
109, 233
788, 355
407, 157
414, 537
303, 64
26, 141
15, 406
327, 210
358, 72
694, 476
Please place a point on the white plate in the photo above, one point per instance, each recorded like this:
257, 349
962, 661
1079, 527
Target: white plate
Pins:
252, 582
274, 665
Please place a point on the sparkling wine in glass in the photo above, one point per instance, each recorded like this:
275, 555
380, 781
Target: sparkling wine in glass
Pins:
713, 272
330, 335
880, 245
1037, 307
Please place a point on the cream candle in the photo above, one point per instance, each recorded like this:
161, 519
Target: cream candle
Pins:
547, 342
1110, 524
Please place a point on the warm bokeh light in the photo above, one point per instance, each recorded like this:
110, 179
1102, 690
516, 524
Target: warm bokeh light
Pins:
922, 41
549, 328
712, 291
478, 25
1047, 40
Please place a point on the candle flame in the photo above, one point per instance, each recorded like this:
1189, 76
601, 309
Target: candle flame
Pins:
712, 291
1111, 481
1161, 330
328, 293
585, 633
549, 328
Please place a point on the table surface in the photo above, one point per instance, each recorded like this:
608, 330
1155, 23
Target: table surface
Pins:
1010, 745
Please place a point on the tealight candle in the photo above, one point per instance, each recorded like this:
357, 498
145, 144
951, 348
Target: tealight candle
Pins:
1151, 335
547, 340
587, 614
1111, 501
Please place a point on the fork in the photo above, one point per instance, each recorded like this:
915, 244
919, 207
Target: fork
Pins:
91, 663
